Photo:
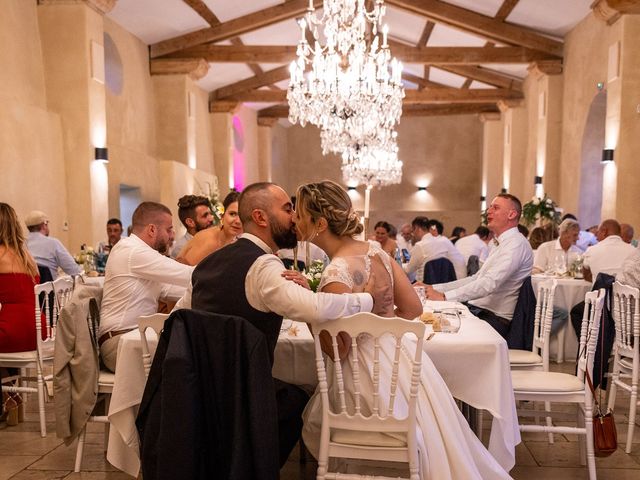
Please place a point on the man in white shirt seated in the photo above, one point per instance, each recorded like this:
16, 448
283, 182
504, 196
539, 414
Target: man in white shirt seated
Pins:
433, 245
475, 244
492, 293
556, 254
585, 237
405, 238
48, 251
608, 255
114, 234
137, 276
194, 211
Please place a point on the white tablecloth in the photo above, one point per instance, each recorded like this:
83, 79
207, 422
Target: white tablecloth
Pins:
474, 364
293, 363
569, 292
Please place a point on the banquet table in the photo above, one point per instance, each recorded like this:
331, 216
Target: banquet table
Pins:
569, 292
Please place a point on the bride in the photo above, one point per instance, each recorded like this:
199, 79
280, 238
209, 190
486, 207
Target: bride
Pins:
448, 447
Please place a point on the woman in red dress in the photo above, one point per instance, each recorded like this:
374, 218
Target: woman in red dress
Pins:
18, 275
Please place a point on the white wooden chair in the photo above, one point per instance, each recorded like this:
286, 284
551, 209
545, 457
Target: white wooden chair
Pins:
347, 432
626, 360
39, 358
156, 323
563, 387
538, 357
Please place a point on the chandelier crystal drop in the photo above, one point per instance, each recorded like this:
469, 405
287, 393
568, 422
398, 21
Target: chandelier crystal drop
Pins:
351, 87
362, 165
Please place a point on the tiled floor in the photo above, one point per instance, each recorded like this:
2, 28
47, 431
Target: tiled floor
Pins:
24, 455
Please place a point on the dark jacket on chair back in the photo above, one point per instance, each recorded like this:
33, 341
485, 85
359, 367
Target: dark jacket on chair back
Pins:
218, 286
209, 408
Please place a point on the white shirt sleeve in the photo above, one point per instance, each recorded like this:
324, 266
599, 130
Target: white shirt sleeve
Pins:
416, 261
65, 260
482, 283
268, 291
151, 265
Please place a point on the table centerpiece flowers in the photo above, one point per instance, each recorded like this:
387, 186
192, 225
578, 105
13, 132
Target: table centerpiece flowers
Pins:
540, 211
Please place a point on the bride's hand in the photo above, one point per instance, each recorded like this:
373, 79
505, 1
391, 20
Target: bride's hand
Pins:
381, 294
296, 277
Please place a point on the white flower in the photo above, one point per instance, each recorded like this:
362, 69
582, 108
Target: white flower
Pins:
536, 201
317, 275
549, 201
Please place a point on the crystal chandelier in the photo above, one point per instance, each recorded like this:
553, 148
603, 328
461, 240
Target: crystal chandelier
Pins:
352, 90
371, 166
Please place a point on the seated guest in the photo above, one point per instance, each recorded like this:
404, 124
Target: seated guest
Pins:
523, 230
48, 251
434, 245
137, 276
114, 233
586, 238
209, 240
626, 232
457, 234
492, 293
630, 274
475, 244
608, 255
382, 236
550, 253
405, 239
194, 211
18, 276
537, 237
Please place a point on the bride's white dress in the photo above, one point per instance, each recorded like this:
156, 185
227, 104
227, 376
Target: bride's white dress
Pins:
448, 448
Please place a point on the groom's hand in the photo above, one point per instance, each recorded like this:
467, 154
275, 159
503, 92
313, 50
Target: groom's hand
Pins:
382, 295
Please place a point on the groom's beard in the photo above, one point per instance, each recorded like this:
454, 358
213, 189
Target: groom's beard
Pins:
283, 237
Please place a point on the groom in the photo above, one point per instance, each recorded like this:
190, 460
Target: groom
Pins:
245, 279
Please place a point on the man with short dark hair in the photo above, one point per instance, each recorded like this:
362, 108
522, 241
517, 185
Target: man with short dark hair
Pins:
434, 245
246, 279
48, 251
475, 244
114, 234
194, 211
492, 293
137, 276
626, 232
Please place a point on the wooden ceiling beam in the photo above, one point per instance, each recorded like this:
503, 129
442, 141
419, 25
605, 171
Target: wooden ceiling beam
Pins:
253, 83
425, 55
505, 9
422, 82
485, 75
233, 28
412, 97
487, 27
196, 68
282, 111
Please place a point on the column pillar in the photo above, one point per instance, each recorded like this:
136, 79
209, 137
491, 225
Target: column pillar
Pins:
265, 125
492, 152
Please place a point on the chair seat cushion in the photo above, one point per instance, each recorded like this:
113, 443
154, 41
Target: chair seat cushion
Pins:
106, 377
19, 356
533, 381
369, 439
523, 357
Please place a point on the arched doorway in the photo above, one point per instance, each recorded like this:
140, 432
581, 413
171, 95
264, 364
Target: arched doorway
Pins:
590, 200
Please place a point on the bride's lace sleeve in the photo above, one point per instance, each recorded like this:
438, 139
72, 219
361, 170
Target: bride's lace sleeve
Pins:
336, 271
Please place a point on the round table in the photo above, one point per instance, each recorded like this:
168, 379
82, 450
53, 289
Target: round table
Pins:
569, 292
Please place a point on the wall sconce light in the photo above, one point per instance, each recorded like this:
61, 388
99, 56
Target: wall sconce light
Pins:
101, 155
483, 198
607, 155
537, 180
351, 189
503, 190
422, 189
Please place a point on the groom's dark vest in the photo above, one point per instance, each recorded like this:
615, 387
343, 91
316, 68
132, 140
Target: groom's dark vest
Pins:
218, 287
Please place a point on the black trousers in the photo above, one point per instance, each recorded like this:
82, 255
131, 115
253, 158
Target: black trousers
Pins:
291, 402
499, 324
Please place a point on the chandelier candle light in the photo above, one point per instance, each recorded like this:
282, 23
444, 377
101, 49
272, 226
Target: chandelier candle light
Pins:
352, 90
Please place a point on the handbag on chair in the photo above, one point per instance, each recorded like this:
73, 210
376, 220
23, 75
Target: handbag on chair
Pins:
605, 437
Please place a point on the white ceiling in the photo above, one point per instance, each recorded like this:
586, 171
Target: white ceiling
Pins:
156, 20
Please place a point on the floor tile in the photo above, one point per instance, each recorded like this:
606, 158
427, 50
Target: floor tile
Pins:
12, 464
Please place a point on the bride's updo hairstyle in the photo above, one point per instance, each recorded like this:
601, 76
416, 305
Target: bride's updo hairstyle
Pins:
329, 200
